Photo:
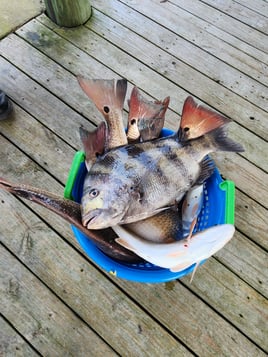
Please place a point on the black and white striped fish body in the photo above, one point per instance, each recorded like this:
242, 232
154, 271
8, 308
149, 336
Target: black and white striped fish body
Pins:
133, 182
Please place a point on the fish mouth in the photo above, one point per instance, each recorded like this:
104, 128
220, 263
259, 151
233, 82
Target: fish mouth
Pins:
100, 219
90, 219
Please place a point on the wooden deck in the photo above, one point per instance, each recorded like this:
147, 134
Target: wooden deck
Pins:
54, 300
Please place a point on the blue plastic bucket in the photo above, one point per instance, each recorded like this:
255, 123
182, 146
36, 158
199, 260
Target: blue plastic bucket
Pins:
218, 208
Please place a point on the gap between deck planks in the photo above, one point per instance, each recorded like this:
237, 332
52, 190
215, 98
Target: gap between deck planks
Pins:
171, 16
83, 288
46, 323
241, 13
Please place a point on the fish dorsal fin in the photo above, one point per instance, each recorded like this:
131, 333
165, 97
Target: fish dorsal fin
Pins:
197, 120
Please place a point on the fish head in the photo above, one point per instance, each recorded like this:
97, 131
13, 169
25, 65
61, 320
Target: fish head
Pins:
105, 200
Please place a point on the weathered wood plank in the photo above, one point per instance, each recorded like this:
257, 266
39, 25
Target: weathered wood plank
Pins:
50, 326
251, 266
252, 262
250, 146
60, 118
258, 6
12, 344
121, 323
220, 63
232, 301
214, 320
241, 13
200, 14
15, 14
62, 83
197, 33
255, 216
13, 164
155, 57
245, 175
51, 152
229, 301
213, 94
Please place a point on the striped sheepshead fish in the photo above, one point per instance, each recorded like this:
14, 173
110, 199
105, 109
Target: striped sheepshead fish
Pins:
136, 181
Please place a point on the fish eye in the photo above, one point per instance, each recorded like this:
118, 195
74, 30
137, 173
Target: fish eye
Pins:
94, 193
186, 129
106, 109
133, 121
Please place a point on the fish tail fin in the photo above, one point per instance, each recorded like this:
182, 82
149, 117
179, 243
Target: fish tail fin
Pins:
162, 112
218, 140
165, 104
140, 107
142, 112
133, 115
105, 93
197, 120
93, 142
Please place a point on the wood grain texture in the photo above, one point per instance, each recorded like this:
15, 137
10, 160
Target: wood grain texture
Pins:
85, 290
54, 299
250, 147
50, 326
160, 314
12, 344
